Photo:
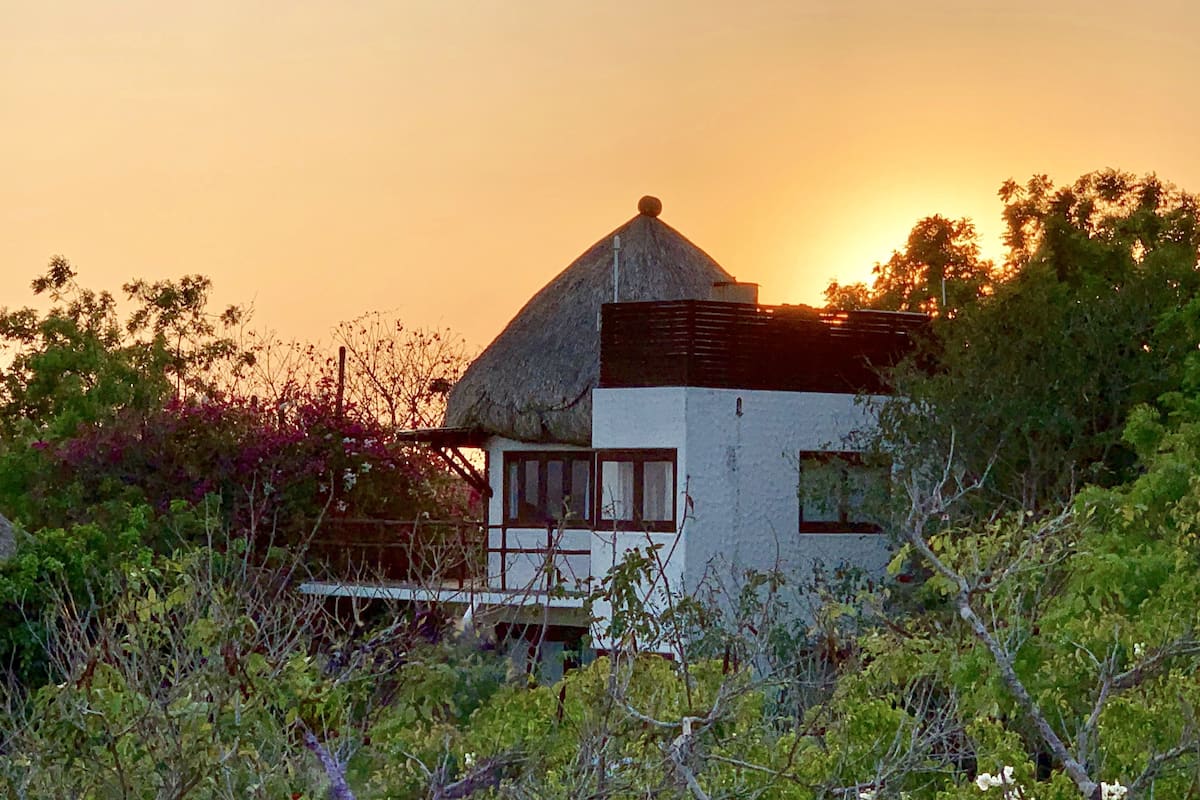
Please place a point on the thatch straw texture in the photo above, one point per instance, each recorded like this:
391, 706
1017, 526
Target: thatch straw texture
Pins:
534, 382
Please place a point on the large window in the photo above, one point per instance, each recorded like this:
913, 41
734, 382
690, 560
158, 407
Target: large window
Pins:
636, 490
548, 488
838, 492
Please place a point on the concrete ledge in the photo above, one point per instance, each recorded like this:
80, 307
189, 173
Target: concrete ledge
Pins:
472, 596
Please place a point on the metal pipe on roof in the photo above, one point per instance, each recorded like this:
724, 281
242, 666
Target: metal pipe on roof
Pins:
616, 268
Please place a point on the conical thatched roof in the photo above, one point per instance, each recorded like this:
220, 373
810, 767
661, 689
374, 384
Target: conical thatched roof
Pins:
535, 381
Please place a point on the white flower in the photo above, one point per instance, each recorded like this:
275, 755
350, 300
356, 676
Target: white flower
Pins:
1006, 777
1112, 791
365, 468
985, 781
1139, 649
341, 505
468, 760
349, 478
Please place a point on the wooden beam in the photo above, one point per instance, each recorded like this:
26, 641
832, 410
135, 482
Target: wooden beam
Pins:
463, 467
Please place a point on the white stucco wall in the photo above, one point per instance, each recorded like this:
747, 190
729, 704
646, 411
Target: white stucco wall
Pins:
737, 482
740, 471
743, 479
642, 418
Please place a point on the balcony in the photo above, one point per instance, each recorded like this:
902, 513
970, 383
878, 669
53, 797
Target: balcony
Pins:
428, 553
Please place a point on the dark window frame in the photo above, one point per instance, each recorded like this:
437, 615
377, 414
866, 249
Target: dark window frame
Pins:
846, 458
514, 519
639, 457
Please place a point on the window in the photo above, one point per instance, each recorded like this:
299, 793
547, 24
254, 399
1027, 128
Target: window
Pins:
547, 488
636, 490
837, 491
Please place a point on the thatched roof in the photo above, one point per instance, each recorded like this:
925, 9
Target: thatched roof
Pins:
535, 381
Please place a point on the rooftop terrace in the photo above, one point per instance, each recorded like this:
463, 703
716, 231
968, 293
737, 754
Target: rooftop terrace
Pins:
746, 346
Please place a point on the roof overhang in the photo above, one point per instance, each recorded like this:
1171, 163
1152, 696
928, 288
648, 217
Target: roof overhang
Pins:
445, 437
447, 444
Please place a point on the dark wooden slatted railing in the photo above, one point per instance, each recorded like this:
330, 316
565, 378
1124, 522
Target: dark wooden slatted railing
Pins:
423, 552
743, 346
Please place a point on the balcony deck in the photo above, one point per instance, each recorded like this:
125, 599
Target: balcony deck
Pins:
418, 552
746, 346
449, 561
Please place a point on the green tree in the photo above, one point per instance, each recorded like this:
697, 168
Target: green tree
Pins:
940, 272
72, 365
1034, 381
173, 317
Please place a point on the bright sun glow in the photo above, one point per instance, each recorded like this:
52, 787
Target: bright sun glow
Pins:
848, 249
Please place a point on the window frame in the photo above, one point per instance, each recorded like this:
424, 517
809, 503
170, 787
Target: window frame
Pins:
512, 518
639, 457
845, 458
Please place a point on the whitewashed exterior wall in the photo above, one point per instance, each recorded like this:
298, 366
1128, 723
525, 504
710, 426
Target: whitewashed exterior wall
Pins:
649, 419
740, 473
737, 480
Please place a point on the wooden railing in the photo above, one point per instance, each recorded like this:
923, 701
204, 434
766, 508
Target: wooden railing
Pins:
438, 554
423, 552
744, 346
551, 547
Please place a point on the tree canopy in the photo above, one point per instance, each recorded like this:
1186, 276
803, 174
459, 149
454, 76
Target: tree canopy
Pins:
1033, 368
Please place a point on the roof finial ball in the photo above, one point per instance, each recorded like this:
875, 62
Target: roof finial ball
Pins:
649, 206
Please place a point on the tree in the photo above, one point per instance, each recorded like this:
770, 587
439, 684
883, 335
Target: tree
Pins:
175, 317
396, 374
1036, 378
72, 366
939, 272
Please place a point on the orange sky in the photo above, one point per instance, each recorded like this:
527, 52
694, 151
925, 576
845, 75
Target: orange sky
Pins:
446, 159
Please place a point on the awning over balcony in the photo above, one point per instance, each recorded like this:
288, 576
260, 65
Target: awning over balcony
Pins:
447, 443
445, 437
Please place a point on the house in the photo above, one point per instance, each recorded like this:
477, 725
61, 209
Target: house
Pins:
644, 398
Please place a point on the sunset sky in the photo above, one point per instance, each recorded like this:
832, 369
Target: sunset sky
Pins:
446, 159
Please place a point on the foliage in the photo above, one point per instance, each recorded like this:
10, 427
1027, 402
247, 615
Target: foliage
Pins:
113, 430
77, 560
72, 365
97, 410
939, 272
200, 677
273, 471
394, 375
1034, 380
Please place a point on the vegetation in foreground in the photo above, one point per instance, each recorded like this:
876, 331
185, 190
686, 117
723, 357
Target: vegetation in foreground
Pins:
1038, 639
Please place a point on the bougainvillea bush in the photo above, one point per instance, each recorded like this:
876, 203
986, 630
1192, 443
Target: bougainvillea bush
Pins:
278, 468
120, 435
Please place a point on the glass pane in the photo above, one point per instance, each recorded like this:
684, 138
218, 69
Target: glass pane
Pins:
616, 482
658, 489
821, 485
529, 492
555, 491
581, 489
865, 492
513, 488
